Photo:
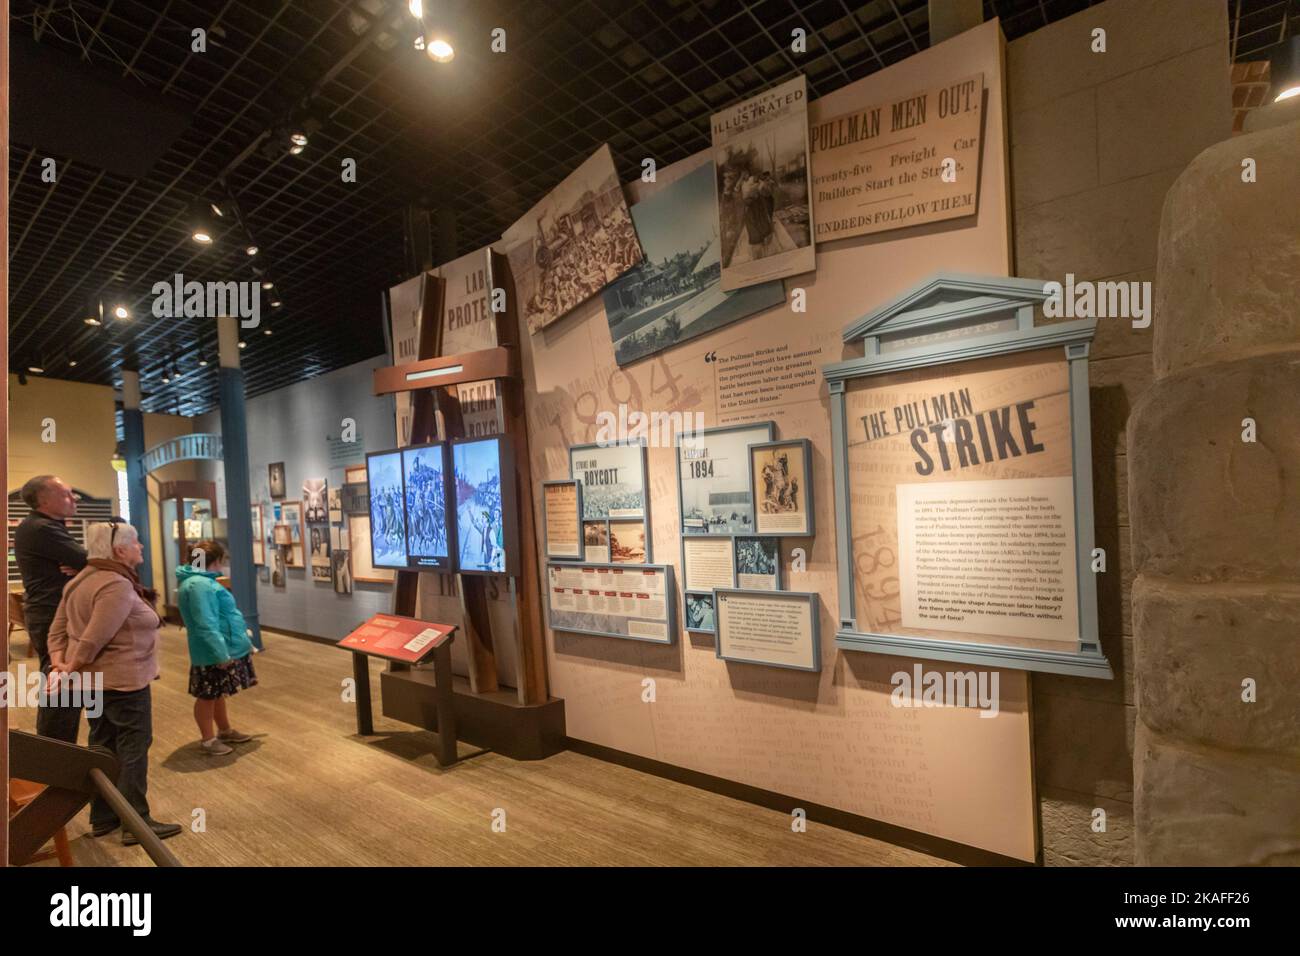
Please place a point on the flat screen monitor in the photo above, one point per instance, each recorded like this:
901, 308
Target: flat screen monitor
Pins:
387, 513
424, 477
484, 495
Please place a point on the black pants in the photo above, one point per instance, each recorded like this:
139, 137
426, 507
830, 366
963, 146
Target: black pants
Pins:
60, 723
126, 728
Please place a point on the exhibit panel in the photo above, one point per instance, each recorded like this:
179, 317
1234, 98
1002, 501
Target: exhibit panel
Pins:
833, 737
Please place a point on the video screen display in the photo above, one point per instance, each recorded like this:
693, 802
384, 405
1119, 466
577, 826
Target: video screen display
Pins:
424, 478
481, 535
387, 514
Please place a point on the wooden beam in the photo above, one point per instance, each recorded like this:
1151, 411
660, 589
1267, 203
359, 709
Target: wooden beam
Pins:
530, 652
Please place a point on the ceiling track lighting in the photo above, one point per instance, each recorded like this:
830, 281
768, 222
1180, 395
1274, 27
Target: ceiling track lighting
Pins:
200, 221
93, 313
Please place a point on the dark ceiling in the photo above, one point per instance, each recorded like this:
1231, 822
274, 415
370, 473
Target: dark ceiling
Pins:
482, 137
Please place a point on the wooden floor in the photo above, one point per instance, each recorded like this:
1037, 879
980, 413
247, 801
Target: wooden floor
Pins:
308, 791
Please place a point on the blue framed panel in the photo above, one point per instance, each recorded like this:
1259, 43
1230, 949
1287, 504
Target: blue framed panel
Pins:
425, 493
615, 484
731, 509
487, 528
387, 510
599, 621
809, 644
946, 320
546, 520
780, 476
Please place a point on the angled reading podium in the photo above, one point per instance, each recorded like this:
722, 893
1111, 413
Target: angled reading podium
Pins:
406, 641
526, 724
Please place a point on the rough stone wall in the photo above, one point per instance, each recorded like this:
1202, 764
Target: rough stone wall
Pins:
1216, 518
1097, 139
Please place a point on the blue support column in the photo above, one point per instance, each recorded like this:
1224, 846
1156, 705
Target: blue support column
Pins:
137, 487
234, 445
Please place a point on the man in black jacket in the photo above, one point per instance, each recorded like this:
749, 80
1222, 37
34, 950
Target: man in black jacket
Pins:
47, 556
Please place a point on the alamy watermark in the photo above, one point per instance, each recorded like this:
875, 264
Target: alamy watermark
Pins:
1098, 300
922, 688
208, 300
656, 428
31, 689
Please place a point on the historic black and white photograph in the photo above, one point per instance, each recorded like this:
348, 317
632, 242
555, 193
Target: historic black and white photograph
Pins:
699, 612
757, 563
713, 476
676, 294
573, 243
760, 148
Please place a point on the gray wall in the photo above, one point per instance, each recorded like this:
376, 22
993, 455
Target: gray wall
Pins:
1096, 141
292, 425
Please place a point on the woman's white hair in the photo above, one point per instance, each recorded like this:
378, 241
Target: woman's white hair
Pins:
100, 540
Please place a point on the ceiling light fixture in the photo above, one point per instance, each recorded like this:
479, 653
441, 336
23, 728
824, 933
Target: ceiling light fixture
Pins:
243, 344
94, 311
276, 303
38, 367
268, 284
251, 250
122, 312
1284, 69
439, 49
200, 222
416, 7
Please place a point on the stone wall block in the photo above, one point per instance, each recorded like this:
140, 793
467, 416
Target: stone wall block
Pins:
1204, 505
1233, 250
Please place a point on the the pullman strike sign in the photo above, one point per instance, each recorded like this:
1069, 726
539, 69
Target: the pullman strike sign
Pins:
912, 161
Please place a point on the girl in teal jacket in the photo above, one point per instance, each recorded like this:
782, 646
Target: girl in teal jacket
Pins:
220, 653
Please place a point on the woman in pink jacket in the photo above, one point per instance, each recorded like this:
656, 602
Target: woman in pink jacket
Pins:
106, 623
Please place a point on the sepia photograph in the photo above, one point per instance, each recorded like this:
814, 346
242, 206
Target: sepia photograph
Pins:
778, 473
595, 541
275, 478
627, 542
573, 243
676, 293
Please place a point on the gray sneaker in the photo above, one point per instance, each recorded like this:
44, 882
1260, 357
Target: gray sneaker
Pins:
216, 748
233, 736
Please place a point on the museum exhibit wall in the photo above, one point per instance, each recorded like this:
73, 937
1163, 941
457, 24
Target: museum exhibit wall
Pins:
84, 441
1096, 142
300, 425
831, 738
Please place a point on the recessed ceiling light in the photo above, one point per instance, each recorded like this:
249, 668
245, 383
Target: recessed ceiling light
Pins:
266, 331
268, 284
251, 250
243, 344
276, 303
295, 150
200, 236
121, 312
439, 50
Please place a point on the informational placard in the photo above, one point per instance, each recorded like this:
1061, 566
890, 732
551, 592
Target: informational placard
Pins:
989, 557
562, 510
778, 628
903, 163
713, 478
610, 600
708, 563
760, 151
396, 638
962, 502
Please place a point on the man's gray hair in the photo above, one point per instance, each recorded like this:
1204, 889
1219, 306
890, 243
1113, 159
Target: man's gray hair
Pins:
100, 539
32, 489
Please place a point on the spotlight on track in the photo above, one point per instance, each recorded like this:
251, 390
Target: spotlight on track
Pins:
1284, 69
439, 48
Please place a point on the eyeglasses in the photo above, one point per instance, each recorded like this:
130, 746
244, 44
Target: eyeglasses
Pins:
116, 521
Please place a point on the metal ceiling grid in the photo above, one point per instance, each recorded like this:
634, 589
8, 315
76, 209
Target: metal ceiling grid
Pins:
485, 136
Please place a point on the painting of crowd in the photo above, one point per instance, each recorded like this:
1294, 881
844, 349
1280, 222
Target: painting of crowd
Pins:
426, 517
573, 243
479, 519
756, 556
